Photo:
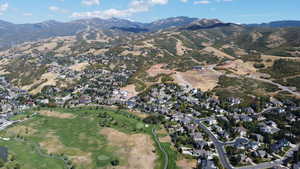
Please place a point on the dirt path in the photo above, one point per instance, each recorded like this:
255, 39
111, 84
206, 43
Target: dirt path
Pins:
166, 157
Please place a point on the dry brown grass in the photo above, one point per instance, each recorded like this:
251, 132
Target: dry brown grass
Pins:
269, 60
21, 131
47, 79
80, 66
130, 89
158, 69
238, 67
205, 80
56, 114
136, 149
217, 52
53, 145
187, 164
180, 48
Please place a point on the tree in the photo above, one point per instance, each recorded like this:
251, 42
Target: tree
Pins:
1, 163
115, 162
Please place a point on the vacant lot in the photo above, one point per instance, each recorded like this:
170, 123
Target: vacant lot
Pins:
130, 89
158, 69
238, 67
80, 66
204, 80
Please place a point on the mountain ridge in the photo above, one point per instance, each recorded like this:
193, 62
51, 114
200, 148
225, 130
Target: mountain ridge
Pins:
13, 34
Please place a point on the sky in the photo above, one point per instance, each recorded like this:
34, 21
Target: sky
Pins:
237, 11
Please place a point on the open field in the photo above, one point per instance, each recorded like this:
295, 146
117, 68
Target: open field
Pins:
158, 69
204, 80
86, 138
136, 149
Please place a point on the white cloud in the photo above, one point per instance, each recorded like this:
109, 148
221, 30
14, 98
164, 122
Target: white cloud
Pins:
57, 9
136, 6
160, 2
3, 8
90, 2
184, 1
202, 2
27, 14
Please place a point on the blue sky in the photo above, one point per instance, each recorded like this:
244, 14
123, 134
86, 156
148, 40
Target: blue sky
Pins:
238, 11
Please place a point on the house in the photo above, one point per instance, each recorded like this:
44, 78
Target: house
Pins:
253, 145
269, 130
200, 144
242, 131
207, 164
198, 68
197, 136
296, 166
257, 137
85, 100
240, 143
279, 145
234, 101
186, 151
260, 154
271, 124
211, 121
249, 110
245, 118
276, 102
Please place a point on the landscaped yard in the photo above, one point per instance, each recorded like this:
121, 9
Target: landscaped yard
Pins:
83, 138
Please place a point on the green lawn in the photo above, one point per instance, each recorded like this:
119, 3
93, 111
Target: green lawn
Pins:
76, 136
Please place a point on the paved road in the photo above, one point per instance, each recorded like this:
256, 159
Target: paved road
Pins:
262, 165
219, 146
284, 88
166, 157
225, 161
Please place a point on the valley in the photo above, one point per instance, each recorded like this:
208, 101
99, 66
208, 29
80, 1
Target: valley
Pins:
185, 93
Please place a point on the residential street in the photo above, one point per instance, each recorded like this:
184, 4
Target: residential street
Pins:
219, 146
225, 161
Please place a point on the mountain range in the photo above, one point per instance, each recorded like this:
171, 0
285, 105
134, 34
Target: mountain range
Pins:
13, 34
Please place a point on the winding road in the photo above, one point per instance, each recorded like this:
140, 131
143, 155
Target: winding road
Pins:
224, 158
166, 157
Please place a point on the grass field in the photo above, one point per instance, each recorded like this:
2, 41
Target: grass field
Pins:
65, 138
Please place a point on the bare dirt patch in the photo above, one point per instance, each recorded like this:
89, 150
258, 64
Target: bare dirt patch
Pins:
269, 60
21, 130
217, 52
56, 114
53, 145
130, 89
204, 80
166, 139
186, 164
238, 67
134, 53
137, 149
80, 66
158, 69
139, 114
180, 48
47, 79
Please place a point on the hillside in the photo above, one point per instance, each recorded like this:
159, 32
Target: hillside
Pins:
186, 54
